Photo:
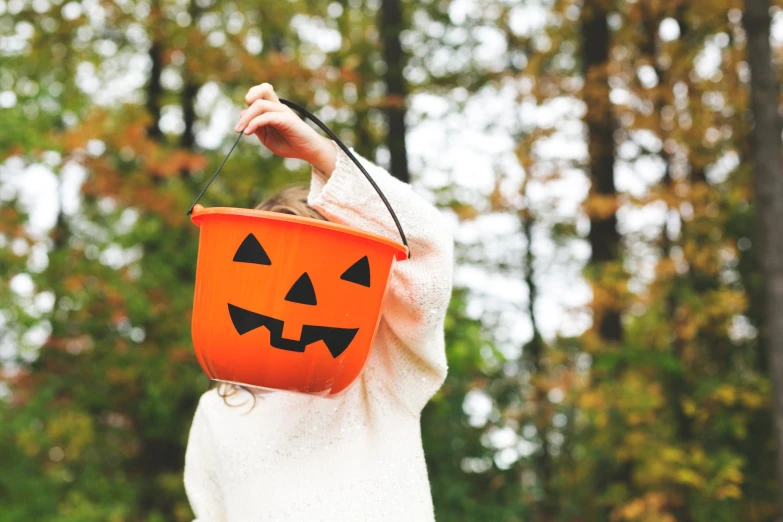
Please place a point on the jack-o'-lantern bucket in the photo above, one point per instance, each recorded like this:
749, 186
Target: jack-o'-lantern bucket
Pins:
287, 302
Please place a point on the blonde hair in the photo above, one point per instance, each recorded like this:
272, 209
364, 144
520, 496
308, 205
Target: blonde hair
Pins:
291, 200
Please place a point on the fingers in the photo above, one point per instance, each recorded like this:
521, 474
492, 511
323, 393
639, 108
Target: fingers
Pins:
278, 120
264, 91
256, 109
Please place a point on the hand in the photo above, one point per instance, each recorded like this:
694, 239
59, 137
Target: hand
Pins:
282, 131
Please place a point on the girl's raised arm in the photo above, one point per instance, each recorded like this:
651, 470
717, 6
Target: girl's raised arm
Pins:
413, 364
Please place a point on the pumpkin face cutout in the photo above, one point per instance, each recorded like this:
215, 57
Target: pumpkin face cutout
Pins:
286, 302
302, 292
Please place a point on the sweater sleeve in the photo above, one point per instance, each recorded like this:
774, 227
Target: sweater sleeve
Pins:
201, 483
412, 363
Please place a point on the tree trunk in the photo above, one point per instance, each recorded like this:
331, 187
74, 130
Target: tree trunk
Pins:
391, 25
190, 89
154, 87
545, 508
189, 92
363, 141
604, 238
768, 173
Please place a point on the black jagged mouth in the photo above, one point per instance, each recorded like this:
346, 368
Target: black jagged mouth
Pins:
336, 340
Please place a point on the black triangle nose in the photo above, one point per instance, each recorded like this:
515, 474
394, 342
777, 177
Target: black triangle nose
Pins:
302, 291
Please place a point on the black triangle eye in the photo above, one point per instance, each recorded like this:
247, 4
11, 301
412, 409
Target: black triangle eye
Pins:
358, 273
251, 251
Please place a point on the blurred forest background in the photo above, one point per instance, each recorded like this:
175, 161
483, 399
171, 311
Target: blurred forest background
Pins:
613, 345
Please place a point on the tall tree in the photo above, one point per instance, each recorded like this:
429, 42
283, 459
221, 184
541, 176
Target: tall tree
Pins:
154, 88
599, 120
534, 353
612, 473
391, 26
768, 181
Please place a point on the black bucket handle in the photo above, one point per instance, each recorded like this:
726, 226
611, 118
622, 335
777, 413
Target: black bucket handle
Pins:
339, 142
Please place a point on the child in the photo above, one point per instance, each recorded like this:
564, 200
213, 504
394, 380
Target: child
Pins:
357, 456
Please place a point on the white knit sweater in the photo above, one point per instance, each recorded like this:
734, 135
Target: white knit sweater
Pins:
358, 456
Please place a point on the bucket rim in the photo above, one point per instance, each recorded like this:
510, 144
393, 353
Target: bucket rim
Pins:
200, 212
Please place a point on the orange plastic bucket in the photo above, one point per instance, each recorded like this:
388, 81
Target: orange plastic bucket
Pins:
287, 302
